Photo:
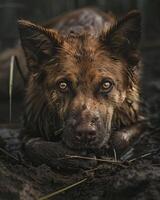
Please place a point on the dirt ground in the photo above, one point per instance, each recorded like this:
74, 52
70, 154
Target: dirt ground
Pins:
137, 179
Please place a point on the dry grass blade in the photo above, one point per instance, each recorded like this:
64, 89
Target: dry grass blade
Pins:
142, 156
110, 161
115, 154
62, 190
11, 86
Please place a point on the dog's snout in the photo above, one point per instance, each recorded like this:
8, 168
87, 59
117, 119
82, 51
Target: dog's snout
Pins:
85, 133
87, 129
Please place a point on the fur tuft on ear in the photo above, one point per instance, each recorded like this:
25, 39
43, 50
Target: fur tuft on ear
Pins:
123, 37
39, 43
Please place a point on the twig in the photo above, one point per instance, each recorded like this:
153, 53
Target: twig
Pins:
18, 160
8, 154
142, 156
92, 170
62, 190
58, 132
97, 159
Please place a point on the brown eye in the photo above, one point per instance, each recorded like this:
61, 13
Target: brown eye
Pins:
106, 86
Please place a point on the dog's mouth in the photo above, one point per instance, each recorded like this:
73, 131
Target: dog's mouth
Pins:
83, 134
85, 142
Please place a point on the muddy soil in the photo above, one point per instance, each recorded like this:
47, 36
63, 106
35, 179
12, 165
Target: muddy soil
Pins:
137, 179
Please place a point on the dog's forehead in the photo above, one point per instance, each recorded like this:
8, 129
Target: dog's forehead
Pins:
80, 48
84, 59
87, 58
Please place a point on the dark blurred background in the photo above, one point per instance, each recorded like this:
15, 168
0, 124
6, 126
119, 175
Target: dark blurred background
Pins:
40, 11
43, 10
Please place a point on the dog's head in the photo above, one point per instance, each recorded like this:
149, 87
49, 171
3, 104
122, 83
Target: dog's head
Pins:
90, 83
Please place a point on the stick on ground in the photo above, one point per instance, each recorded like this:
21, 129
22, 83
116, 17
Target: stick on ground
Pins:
62, 190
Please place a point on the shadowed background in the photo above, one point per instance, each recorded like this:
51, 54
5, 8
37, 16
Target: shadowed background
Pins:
139, 180
40, 11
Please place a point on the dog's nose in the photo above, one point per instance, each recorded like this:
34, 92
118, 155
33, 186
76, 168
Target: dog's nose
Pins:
85, 133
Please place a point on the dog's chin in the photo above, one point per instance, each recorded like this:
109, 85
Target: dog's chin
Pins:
74, 145
83, 147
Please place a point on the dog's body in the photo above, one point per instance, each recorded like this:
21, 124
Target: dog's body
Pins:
84, 78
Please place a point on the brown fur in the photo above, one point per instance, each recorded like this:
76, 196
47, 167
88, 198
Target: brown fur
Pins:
108, 49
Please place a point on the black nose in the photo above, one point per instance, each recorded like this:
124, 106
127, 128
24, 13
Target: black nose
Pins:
85, 133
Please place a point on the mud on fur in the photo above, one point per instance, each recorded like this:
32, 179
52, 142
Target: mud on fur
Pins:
84, 76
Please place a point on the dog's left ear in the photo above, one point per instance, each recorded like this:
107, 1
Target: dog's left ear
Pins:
123, 37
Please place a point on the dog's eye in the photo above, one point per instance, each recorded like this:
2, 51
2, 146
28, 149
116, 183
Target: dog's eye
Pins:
63, 86
106, 86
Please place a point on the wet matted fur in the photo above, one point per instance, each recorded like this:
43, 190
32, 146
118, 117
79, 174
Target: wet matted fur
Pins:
83, 82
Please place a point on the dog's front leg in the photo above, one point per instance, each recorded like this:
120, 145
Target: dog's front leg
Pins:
54, 155
124, 138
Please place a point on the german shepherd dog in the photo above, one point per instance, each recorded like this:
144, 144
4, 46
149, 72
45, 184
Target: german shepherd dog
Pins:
83, 82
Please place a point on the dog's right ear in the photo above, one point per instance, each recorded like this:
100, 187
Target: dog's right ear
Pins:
40, 44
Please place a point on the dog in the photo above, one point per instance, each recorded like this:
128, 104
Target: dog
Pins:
84, 79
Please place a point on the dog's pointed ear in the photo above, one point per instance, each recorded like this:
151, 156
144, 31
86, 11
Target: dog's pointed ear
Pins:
124, 36
39, 44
